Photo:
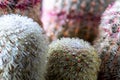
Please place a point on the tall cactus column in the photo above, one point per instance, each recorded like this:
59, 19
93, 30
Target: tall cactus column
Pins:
108, 44
23, 47
73, 18
72, 59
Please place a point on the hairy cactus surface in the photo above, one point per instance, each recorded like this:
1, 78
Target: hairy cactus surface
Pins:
73, 18
30, 8
108, 43
72, 59
109, 27
23, 48
110, 65
110, 22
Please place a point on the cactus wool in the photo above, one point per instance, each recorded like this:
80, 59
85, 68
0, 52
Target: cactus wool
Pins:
22, 48
72, 59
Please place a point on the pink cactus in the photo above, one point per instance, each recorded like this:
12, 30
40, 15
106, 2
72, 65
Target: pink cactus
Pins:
72, 18
110, 22
30, 8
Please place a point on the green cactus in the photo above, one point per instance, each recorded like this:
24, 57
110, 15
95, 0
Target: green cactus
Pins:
23, 49
72, 59
109, 27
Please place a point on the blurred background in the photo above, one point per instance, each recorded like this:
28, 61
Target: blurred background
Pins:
61, 18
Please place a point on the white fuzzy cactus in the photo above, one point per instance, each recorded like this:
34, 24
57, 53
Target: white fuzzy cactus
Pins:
22, 48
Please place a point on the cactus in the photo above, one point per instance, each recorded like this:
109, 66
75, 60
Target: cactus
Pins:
72, 59
110, 65
108, 43
73, 18
110, 22
23, 48
30, 8
109, 27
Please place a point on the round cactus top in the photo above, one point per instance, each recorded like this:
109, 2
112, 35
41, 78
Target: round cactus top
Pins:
69, 45
16, 24
110, 20
19, 36
67, 60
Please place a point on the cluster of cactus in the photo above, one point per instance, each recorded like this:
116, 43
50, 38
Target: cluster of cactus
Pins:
30, 8
23, 47
72, 59
73, 18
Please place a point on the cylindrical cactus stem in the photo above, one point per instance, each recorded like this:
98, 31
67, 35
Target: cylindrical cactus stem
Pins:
30, 8
110, 21
110, 64
23, 47
108, 44
72, 59
73, 18
109, 28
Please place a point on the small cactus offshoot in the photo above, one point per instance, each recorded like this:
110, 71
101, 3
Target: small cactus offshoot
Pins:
23, 47
72, 59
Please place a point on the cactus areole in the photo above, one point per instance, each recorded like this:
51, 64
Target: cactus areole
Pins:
72, 59
22, 48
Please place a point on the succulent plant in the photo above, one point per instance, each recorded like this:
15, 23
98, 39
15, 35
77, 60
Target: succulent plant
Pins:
109, 28
108, 43
109, 52
30, 8
110, 21
73, 18
72, 59
23, 47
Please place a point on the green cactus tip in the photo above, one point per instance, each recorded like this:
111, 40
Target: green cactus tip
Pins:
72, 59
